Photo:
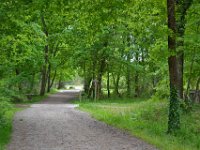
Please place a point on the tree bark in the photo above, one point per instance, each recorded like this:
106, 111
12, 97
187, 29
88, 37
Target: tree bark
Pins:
49, 78
174, 116
108, 83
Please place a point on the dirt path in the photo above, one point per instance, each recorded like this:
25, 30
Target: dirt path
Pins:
55, 124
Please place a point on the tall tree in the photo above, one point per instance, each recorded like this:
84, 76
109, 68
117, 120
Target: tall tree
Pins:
174, 116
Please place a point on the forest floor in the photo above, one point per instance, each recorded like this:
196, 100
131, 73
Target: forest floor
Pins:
55, 124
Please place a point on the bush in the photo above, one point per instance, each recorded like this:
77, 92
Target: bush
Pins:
4, 107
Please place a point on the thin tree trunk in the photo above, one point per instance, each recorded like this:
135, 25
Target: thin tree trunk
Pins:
32, 84
44, 68
181, 11
19, 83
49, 78
190, 76
53, 79
108, 83
128, 76
136, 77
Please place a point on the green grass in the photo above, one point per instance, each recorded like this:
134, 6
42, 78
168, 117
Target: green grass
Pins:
6, 129
147, 119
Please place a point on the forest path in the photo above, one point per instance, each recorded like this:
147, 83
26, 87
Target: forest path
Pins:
55, 124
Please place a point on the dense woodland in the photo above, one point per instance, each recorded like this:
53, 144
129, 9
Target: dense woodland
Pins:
120, 48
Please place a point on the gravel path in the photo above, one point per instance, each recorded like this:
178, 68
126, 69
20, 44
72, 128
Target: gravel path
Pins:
55, 124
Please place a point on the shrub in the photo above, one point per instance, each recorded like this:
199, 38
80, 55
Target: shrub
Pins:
4, 107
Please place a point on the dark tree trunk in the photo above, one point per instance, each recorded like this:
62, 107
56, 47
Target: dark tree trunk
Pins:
43, 82
137, 77
174, 116
19, 82
108, 83
49, 78
136, 84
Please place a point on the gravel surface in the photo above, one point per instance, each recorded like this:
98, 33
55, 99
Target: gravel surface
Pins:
55, 124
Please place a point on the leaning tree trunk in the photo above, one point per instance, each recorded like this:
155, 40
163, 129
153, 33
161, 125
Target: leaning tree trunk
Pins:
174, 116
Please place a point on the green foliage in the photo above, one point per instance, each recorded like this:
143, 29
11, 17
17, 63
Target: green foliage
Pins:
6, 128
4, 107
174, 111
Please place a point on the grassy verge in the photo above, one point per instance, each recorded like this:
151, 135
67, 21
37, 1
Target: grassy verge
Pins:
147, 119
6, 129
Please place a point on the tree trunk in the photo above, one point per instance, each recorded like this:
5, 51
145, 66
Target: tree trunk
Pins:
44, 68
137, 77
174, 116
182, 7
19, 82
49, 78
189, 78
116, 84
128, 76
87, 82
108, 83
53, 79
60, 85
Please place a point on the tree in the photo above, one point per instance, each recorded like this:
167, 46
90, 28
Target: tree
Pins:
174, 116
